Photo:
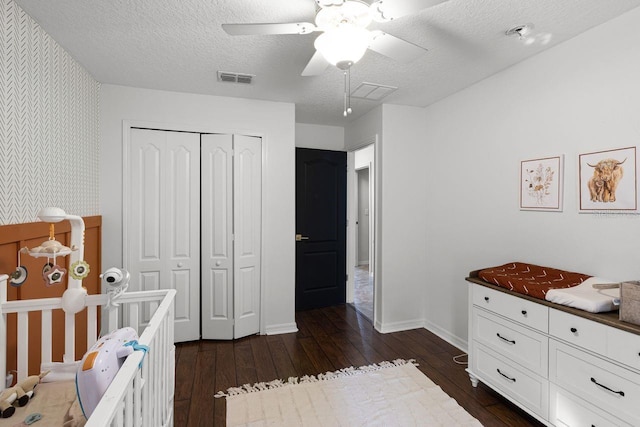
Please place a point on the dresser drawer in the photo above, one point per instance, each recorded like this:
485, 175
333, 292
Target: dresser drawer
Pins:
608, 386
567, 410
523, 346
624, 347
519, 309
526, 388
578, 331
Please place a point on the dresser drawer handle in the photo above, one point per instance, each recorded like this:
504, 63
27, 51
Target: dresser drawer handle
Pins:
507, 377
593, 380
486, 299
505, 339
574, 330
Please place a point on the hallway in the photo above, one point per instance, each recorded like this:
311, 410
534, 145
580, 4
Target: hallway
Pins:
363, 291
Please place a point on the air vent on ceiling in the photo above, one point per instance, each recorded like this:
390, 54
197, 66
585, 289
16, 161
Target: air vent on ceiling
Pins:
225, 76
372, 91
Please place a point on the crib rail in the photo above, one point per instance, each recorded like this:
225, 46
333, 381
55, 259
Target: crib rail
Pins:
144, 397
136, 397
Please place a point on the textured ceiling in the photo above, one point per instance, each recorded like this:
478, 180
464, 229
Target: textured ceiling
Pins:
179, 45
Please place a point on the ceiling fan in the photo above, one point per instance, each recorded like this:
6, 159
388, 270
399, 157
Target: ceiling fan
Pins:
345, 37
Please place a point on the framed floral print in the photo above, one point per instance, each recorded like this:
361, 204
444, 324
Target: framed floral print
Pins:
541, 183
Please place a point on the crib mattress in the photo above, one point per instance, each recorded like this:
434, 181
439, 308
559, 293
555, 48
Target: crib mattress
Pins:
56, 402
529, 279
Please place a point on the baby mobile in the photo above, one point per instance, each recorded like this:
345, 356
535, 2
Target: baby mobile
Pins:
52, 273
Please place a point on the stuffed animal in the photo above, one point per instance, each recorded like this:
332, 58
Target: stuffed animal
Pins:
18, 394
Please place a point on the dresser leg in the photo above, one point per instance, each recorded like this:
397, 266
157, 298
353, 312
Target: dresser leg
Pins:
474, 380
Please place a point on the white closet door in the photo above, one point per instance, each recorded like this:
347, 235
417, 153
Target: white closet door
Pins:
217, 237
247, 178
163, 221
231, 233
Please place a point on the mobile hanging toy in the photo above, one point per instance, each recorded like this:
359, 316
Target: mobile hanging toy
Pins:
18, 277
73, 298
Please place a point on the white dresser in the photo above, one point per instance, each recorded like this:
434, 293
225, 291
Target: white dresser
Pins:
566, 367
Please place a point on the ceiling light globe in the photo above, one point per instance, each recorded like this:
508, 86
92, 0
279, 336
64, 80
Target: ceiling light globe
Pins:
343, 45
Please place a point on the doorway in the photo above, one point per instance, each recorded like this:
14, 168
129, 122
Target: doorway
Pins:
363, 277
361, 253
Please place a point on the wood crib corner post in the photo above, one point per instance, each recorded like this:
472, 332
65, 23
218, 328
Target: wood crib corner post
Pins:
3, 328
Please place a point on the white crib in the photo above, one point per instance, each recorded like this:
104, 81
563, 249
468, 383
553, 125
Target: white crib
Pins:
137, 396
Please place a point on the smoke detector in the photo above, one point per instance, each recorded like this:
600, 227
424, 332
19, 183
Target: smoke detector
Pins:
521, 31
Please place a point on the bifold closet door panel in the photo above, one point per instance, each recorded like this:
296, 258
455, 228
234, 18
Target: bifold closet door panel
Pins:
247, 185
217, 236
163, 221
231, 235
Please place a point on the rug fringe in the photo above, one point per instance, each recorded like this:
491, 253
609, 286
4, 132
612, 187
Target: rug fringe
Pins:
341, 373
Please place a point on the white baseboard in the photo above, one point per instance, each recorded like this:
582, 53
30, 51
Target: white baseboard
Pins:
415, 324
398, 326
284, 328
445, 335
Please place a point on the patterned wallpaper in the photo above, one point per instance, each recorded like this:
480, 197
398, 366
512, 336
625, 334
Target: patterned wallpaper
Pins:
49, 142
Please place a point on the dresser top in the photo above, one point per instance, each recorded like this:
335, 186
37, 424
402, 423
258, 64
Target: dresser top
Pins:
610, 318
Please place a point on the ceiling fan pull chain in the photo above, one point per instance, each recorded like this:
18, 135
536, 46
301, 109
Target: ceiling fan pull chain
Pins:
344, 113
349, 91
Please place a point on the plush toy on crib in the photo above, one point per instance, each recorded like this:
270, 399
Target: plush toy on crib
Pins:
118, 281
19, 394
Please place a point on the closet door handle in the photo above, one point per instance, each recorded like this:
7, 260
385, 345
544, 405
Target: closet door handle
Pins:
593, 380
505, 339
506, 376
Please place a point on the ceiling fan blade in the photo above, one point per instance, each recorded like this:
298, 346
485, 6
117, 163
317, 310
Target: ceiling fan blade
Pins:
395, 47
317, 64
269, 29
386, 10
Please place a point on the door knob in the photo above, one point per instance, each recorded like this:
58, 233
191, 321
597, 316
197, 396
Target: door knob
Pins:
218, 263
300, 237
180, 265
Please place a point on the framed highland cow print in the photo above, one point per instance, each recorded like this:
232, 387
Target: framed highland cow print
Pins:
541, 184
608, 181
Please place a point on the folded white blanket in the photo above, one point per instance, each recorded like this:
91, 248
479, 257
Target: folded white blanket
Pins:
585, 297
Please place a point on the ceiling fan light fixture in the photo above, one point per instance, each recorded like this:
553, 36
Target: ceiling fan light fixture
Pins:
377, 11
353, 12
329, 3
343, 46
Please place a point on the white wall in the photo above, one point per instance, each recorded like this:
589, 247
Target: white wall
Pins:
364, 129
402, 263
48, 124
364, 157
579, 97
273, 121
320, 137
449, 177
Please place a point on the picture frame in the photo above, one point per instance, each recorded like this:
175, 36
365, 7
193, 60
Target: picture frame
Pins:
541, 184
608, 181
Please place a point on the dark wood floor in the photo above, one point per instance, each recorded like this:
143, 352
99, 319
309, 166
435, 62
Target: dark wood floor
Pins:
328, 339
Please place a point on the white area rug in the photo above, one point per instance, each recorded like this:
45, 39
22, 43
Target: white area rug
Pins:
387, 394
